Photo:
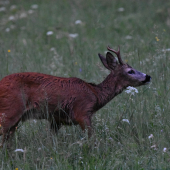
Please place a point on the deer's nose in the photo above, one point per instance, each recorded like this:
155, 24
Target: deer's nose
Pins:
148, 78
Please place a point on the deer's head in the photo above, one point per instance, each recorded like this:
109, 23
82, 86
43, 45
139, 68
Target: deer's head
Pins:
125, 73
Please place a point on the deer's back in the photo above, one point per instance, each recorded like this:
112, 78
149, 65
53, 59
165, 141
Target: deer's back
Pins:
36, 88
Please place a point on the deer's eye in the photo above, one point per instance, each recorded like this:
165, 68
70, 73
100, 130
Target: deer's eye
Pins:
131, 72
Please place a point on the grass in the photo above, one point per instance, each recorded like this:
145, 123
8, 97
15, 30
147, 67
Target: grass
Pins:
142, 31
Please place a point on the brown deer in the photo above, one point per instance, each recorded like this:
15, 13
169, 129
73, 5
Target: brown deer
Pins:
62, 101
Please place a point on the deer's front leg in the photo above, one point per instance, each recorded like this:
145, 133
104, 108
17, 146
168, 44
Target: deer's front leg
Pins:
85, 122
6, 135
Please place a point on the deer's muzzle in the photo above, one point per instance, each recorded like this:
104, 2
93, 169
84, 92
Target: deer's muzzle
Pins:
147, 79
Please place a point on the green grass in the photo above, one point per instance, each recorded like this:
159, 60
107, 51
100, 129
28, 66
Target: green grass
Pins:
115, 144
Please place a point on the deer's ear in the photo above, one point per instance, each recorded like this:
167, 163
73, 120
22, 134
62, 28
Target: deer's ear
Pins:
103, 60
111, 61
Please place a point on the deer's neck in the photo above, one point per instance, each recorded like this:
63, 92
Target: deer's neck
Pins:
108, 89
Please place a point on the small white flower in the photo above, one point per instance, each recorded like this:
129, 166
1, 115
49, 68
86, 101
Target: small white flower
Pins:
168, 49
106, 128
80, 143
121, 9
11, 18
52, 49
7, 29
23, 15
19, 150
78, 22
110, 138
73, 35
164, 149
49, 33
150, 136
30, 11
153, 146
128, 37
35, 6
13, 7
2, 9
126, 120
131, 90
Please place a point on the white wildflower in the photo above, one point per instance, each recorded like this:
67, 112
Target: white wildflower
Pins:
11, 18
73, 35
23, 15
35, 6
121, 9
24, 42
164, 149
126, 120
34, 121
30, 11
49, 33
52, 49
80, 143
2, 9
110, 138
19, 150
128, 37
13, 7
168, 49
106, 128
55, 52
131, 90
7, 29
150, 136
153, 146
78, 22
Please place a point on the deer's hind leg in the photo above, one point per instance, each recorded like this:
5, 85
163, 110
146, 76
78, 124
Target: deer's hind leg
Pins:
0, 131
9, 121
7, 133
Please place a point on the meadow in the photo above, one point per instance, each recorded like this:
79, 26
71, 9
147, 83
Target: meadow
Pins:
63, 38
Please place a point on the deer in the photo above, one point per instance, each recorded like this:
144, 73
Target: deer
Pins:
62, 101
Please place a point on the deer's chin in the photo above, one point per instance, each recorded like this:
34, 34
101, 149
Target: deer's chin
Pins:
146, 83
